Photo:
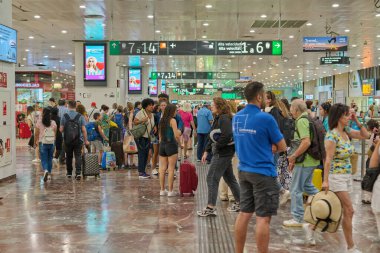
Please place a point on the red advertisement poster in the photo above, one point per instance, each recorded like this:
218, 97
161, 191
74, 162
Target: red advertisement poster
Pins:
3, 80
70, 96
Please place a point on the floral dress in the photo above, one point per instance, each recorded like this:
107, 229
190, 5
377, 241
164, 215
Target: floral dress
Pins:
341, 163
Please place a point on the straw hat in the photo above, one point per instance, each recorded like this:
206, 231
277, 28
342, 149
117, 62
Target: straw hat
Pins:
324, 211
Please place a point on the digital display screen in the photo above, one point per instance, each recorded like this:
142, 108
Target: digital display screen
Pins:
134, 81
153, 88
8, 44
163, 86
323, 44
95, 66
309, 97
335, 60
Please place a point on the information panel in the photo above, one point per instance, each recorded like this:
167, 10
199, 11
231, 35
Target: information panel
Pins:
134, 81
325, 44
335, 60
196, 47
195, 75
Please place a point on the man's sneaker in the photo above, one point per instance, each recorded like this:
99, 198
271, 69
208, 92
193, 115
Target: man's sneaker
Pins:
235, 207
144, 176
285, 196
354, 250
155, 172
46, 174
207, 212
36, 161
172, 194
309, 233
78, 177
163, 193
292, 223
69, 176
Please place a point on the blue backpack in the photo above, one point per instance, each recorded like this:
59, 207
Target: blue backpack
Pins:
118, 118
92, 134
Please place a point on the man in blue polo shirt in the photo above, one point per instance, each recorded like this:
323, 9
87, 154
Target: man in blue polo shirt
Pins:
256, 136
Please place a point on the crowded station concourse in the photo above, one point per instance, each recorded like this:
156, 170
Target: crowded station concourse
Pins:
190, 126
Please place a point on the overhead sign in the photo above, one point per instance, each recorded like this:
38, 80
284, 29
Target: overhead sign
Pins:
325, 44
27, 85
335, 60
195, 75
368, 87
3, 80
196, 47
186, 92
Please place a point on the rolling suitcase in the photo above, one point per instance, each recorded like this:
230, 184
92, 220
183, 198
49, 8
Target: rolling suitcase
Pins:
108, 160
188, 179
117, 148
90, 165
115, 135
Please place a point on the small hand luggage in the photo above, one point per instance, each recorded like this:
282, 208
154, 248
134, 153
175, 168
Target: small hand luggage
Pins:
188, 179
117, 148
108, 160
317, 178
115, 135
90, 165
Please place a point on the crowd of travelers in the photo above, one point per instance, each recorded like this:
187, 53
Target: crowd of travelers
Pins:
260, 155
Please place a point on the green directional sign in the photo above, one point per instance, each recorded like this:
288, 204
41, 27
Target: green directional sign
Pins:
277, 47
114, 47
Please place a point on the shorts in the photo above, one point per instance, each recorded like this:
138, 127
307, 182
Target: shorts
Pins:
340, 182
186, 134
98, 145
259, 194
168, 149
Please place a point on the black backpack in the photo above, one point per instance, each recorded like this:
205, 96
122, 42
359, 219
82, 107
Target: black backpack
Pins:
286, 125
317, 138
72, 130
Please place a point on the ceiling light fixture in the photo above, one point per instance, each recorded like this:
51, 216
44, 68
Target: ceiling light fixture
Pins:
31, 37
64, 31
24, 59
347, 30
378, 36
354, 45
82, 6
309, 24
22, 65
52, 46
69, 53
60, 61
46, 56
263, 16
291, 36
73, 65
204, 37
205, 24
158, 31
260, 58
150, 16
208, 6
27, 50
37, 16
251, 31
377, 15
103, 25
335, 5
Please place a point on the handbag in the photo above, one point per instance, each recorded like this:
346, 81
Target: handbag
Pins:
138, 130
129, 145
354, 163
370, 178
294, 145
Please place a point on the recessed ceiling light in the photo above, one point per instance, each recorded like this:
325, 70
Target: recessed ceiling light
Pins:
52, 46
309, 24
263, 16
347, 30
205, 24
40, 63
64, 31
60, 61
27, 50
260, 58
73, 65
254, 62
103, 25
286, 60
82, 6
204, 37
22, 65
291, 36
66, 70
295, 55
31, 37
378, 49
362, 62
150, 16
54, 67
24, 59
378, 36
37, 16
158, 31
377, 15
69, 53
251, 31
208, 6
148, 63
335, 5
46, 56
142, 58
358, 55
354, 45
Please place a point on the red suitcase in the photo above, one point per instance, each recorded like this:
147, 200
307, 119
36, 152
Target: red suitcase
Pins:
24, 131
188, 179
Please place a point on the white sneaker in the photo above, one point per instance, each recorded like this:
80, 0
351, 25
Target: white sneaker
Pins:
285, 196
292, 223
163, 193
155, 172
354, 250
172, 194
309, 233
36, 161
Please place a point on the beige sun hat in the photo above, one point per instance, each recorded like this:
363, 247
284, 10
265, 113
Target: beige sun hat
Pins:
324, 211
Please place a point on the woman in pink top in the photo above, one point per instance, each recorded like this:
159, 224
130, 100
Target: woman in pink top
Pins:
188, 122
45, 133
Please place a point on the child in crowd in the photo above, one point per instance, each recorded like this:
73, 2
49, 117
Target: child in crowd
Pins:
98, 142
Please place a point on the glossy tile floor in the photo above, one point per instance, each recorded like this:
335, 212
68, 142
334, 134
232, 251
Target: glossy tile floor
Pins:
120, 213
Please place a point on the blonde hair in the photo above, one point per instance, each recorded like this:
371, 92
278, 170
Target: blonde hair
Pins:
233, 106
186, 107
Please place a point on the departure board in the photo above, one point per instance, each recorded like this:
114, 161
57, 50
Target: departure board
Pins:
196, 47
195, 75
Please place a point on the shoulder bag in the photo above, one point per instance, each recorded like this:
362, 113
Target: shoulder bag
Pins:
139, 130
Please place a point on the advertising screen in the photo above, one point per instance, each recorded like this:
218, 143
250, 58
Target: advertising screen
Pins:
368, 87
95, 67
153, 91
323, 44
134, 81
8, 44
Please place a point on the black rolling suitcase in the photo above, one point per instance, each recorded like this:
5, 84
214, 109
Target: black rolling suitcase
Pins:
117, 148
115, 135
90, 165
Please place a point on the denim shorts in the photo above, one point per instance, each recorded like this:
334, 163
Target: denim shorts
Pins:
259, 194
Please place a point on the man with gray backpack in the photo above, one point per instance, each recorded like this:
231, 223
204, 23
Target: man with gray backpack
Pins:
73, 126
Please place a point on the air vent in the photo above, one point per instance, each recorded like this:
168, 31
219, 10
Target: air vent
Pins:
94, 16
40, 65
275, 23
248, 36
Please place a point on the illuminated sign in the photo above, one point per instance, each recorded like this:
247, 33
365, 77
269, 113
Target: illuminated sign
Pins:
134, 81
335, 60
368, 87
27, 85
195, 75
323, 44
95, 68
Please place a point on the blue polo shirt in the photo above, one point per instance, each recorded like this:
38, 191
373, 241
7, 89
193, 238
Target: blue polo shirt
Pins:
254, 133
204, 116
